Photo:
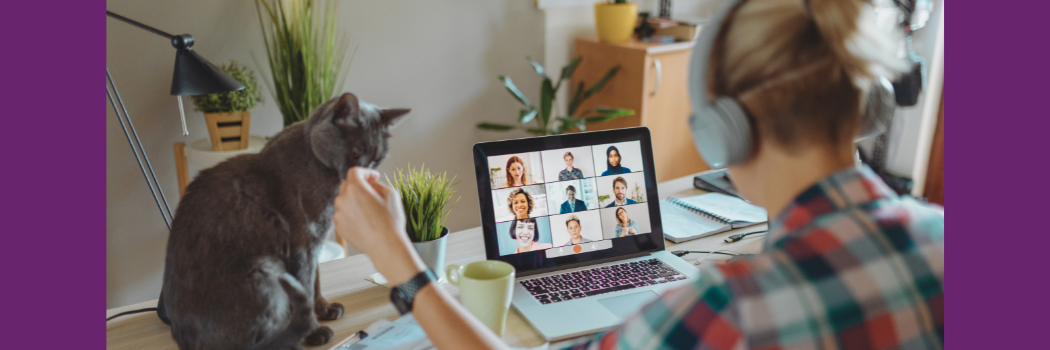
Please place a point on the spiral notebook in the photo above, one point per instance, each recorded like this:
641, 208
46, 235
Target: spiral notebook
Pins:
707, 214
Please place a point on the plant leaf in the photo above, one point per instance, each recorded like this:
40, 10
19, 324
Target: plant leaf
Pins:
567, 71
526, 115
536, 131
546, 99
539, 68
495, 127
601, 82
577, 98
514, 91
607, 114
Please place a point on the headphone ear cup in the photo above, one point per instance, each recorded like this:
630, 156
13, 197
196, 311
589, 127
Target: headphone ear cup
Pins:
879, 107
722, 133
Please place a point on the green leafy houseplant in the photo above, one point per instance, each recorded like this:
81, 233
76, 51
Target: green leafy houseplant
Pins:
548, 90
424, 197
305, 54
231, 101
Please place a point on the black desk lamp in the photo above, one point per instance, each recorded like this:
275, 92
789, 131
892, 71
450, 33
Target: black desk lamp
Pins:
193, 76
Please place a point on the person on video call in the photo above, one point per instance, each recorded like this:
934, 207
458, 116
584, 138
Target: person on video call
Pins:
620, 192
624, 225
515, 172
612, 159
847, 263
573, 226
520, 203
572, 204
524, 232
569, 173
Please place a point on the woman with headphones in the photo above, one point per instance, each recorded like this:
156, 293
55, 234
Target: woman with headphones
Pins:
847, 264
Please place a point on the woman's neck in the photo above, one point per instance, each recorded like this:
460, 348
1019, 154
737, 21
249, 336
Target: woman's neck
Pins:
577, 240
775, 176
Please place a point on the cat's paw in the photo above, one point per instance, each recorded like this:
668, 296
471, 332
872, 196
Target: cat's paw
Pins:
334, 312
320, 336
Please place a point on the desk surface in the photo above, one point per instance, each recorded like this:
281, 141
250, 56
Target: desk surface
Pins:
343, 281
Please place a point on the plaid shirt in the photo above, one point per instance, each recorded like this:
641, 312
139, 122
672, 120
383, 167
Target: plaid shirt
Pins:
847, 265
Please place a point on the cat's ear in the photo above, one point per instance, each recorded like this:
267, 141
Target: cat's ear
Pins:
393, 116
346, 110
327, 132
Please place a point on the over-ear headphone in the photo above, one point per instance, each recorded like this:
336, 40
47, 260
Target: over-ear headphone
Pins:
721, 129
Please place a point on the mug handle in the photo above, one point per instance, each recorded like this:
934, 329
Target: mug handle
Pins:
452, 272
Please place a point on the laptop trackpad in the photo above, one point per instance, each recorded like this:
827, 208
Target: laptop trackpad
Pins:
624, 305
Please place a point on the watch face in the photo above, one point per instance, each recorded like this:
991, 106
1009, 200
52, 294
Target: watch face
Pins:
402, 305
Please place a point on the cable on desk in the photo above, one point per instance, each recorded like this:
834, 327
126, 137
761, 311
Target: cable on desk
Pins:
681, 253
130, 312
738, 237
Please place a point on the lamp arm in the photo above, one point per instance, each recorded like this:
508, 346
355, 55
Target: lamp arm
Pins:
140, 25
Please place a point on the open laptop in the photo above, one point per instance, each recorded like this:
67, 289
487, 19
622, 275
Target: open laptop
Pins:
578, 216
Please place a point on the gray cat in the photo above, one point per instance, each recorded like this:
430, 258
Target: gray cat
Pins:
241, 267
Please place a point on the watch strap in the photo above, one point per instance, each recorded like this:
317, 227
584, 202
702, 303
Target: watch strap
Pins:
406, 292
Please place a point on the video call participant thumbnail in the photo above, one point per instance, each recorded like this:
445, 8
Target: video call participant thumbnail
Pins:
624, 225
576, 228
566, 164
572, 204
514, 170
526, 235
520, 203
613, 164
570, 172
620, 193
631, 220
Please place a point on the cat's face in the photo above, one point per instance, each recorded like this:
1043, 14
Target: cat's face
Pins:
345, 132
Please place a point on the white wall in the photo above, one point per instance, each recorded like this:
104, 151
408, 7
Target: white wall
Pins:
441, 59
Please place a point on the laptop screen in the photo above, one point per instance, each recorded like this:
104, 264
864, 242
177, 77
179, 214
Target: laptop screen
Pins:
555, 201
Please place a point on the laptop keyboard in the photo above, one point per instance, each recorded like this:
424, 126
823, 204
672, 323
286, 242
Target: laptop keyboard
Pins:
600, 280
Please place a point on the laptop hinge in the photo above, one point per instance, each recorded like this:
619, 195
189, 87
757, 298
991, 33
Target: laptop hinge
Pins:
580, 264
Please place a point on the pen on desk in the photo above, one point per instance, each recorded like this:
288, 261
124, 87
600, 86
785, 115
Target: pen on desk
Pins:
357, 337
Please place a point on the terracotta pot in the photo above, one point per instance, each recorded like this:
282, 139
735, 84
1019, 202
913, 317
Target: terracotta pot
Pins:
615, 22
228, 131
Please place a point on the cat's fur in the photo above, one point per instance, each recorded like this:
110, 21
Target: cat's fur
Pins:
241, 266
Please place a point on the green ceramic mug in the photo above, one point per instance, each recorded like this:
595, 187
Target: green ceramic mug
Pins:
485, 288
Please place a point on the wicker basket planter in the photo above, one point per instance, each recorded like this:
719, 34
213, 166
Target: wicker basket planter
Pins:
228, 131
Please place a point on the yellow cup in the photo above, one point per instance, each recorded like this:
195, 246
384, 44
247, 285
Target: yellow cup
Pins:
485, 289
615, 22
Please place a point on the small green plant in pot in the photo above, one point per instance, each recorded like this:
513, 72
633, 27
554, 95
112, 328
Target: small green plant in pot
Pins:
425, 196
228, 114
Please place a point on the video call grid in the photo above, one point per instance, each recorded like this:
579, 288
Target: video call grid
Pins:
551, 210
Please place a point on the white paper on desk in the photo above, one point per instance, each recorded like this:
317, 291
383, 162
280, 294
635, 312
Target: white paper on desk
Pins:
403, 333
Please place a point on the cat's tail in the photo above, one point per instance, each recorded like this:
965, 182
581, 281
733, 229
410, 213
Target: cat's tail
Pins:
300, 311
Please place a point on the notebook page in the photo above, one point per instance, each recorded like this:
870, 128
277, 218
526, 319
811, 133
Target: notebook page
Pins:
682, 223
732, 208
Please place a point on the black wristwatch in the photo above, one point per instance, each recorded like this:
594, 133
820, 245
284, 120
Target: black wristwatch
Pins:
404, 294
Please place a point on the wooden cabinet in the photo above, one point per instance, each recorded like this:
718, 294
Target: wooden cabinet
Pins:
652, 81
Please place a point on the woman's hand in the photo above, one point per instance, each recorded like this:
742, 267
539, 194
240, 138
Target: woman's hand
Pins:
632, 231
370, 217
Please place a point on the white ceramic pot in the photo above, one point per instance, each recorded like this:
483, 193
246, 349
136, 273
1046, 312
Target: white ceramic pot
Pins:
433, 253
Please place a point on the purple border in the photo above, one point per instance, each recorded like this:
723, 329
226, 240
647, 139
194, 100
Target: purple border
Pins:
54, 201
998, 240
55, 58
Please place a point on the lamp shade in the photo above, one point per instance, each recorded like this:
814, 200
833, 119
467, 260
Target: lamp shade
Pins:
196, 76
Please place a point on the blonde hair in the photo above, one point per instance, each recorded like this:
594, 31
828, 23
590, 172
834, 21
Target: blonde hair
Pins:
801, 70
571, 219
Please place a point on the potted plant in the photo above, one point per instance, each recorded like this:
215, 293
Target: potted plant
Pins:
615, 21
305, 52
424, 196
228, 114
548, 92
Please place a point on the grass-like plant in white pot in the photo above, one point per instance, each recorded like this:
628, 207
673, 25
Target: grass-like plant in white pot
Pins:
425, 196
228, 114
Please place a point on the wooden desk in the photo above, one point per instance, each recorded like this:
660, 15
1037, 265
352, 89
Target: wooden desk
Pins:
344, 281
